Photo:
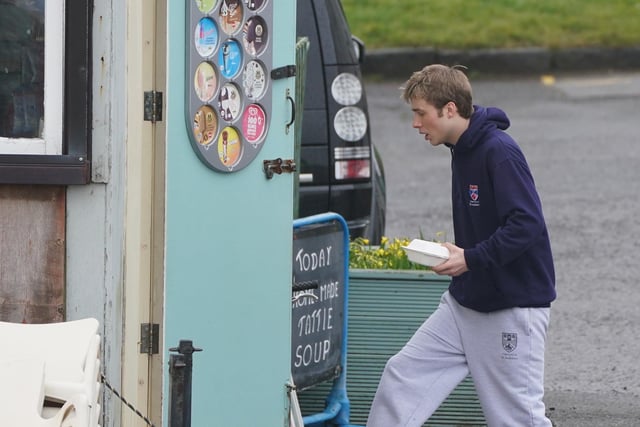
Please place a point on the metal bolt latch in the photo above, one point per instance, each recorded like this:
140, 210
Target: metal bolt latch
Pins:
278, 166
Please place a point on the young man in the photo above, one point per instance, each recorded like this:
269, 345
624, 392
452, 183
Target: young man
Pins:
492, 322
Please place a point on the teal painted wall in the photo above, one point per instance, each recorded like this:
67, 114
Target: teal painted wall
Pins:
228, 253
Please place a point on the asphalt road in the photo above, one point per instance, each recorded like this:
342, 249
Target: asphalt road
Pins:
581, 136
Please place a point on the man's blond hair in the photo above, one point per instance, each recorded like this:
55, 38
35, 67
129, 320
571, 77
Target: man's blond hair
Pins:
438, 85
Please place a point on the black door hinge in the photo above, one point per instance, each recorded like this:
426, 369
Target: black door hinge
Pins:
152, 106
283, 72
149, 338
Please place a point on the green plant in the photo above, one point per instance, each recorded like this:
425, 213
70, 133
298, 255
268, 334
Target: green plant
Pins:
388, 256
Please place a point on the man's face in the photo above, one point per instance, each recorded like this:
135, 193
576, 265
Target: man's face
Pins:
429, 122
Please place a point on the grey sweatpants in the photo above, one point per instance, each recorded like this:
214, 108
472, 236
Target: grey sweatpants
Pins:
503, 351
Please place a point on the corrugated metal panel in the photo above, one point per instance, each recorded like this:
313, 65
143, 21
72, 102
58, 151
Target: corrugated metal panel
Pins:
385, 309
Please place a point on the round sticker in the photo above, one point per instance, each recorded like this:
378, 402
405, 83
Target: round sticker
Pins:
229, 102
254, 80
205, 6
230, 16
229, 146
206, 37
230, 58
254, 123
254, 35
254, 4
205, 82
205, 125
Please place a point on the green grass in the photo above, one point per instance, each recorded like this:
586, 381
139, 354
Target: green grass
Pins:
472, 24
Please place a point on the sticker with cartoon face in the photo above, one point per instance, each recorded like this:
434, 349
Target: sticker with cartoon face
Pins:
255, 35
229, 102
254, 80
254, 123
254, 5
229, 147
205, 6
230, 16
205, 37
205, 125
205, 81
230, 58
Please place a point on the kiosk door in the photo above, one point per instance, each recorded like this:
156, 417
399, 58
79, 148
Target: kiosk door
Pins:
229, 204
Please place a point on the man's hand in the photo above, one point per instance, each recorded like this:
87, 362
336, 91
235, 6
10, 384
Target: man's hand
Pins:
455, 265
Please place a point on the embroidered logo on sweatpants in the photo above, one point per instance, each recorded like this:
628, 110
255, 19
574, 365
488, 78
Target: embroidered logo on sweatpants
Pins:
509, 341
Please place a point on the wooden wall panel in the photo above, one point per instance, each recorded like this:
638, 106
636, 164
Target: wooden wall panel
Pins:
32, 253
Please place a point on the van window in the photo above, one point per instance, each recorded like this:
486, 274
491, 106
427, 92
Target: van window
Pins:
306, 27
341, 33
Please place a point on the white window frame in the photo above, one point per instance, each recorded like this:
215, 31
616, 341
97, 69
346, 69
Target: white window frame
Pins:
54, 54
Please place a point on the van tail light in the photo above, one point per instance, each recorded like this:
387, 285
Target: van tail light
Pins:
350, 123
352, 163
353, 169
346, 89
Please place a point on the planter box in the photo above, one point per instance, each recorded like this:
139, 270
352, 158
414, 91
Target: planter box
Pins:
385, 309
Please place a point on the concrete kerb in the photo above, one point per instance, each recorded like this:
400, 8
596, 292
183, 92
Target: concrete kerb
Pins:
578, 409
400, 63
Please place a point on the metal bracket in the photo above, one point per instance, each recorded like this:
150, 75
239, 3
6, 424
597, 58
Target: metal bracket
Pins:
278, 166
149, 338
283, 72
153, 106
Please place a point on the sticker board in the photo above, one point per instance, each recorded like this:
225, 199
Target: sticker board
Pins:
228, 101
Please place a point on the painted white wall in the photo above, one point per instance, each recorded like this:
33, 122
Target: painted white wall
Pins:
95, 212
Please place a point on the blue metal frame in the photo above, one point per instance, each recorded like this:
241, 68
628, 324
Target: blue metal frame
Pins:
338, 408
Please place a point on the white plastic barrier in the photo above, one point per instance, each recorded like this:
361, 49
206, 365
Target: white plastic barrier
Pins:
68, 357
22, 395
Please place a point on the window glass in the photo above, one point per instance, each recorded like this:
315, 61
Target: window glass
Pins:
22, 37
341, 33
45, 91
314, 97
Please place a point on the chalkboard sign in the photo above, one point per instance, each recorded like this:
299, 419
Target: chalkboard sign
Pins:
317, 321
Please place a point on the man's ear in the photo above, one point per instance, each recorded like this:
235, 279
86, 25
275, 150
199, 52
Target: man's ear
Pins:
451, 109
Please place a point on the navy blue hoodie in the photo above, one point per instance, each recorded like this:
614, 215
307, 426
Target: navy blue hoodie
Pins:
498, 220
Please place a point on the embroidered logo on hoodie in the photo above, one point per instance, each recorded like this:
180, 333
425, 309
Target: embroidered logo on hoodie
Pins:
474, 195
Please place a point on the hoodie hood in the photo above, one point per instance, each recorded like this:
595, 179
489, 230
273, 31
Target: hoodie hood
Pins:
483, 121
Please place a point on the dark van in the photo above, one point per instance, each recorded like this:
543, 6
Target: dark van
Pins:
340, 168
